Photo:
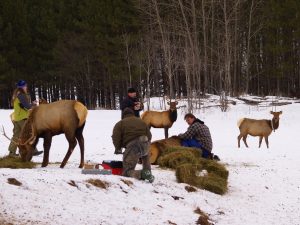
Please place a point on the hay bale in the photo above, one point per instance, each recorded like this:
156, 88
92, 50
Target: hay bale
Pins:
195, 151
158, 147
187, 173
174, 157
214, 167
15, 163
188, 164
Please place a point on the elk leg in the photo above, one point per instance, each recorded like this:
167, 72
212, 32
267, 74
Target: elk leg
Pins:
245, 140
260, 140
80, 140
47, 145
72, 143
267, 141
166, 132
239, 140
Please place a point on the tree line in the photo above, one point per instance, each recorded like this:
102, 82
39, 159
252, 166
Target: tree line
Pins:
94, 50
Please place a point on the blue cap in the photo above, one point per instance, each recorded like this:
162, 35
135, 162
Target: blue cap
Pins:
21, 83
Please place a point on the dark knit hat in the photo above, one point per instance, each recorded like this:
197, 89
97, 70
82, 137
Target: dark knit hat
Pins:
21, 83
131, 90
128, 111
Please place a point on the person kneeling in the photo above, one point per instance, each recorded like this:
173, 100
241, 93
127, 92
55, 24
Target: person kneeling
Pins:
134, 135
198, 136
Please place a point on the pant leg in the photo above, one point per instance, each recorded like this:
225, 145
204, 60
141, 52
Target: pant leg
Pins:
16, 134
130, 159
137, 149
146, 162
196, 144
191, 143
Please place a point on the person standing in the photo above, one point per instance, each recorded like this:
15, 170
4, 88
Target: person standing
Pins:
131, 101
198, 136
134, 135
21, 103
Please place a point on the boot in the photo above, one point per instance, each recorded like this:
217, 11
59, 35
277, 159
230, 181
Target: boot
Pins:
216, 158
146, 175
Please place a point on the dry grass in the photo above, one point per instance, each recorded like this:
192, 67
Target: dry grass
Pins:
175, 156
98, 183
129, 183
203, 218
188, 164
15, 163
190, 189
14, 181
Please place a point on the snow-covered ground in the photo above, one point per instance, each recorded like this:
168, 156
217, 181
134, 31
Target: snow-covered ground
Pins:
264, 184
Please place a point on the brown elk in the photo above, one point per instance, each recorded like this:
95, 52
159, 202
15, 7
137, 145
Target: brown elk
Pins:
48, 120
164, 119
261, 128
157, 147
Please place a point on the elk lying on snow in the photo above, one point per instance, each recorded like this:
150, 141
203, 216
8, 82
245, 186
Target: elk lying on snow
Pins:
164, 119
48, 120
261, 128
157, 147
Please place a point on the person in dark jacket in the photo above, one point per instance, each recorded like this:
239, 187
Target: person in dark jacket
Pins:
198, 136
21, 103
131, 101
134, 135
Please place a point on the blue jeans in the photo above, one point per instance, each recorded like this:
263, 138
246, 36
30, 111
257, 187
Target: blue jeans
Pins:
194, 143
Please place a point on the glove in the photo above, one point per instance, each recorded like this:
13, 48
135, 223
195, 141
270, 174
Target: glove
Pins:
118, 151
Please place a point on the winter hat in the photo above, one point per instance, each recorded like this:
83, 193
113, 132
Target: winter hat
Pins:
128, 111
21, 83
131, 90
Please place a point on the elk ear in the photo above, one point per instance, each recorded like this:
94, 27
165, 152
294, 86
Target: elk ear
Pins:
271, 112
280, 112
168, 103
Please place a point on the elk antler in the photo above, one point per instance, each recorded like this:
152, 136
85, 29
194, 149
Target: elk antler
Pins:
31, 139
4, 134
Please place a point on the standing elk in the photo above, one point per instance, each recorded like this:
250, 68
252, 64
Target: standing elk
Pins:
48, 120
261, 128
164, 119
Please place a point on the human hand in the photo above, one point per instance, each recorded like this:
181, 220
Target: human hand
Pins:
137, 106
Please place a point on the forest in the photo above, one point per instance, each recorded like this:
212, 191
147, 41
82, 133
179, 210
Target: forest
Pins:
93, 50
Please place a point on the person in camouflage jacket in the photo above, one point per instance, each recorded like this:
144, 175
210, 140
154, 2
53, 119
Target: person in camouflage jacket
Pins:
134, 135
197, 135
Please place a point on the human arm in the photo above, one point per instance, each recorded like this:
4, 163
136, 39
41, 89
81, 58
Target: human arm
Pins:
24, 101
189, 134
117, 137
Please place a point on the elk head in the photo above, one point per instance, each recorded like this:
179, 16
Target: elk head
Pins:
172, 104
26, 141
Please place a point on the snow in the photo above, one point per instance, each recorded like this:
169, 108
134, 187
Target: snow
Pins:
264, 184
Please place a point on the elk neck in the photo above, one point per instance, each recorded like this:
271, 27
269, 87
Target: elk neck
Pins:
273, 124
173, 115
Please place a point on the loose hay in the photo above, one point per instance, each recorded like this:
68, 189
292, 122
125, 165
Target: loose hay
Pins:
15, 163
98, 183
14, 181
188, 163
